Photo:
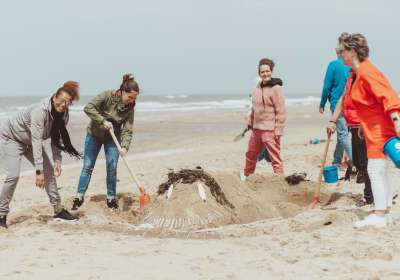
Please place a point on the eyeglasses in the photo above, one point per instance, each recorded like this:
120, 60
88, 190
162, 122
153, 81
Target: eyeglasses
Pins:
61, 100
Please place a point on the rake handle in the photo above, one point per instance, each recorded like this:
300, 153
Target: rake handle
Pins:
133, 176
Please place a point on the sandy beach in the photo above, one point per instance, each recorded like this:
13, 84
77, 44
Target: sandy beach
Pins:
279, 239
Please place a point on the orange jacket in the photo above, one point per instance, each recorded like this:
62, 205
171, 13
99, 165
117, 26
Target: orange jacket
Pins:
374, 99
349, 110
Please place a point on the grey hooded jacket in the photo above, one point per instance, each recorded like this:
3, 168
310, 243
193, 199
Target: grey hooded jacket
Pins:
31, 127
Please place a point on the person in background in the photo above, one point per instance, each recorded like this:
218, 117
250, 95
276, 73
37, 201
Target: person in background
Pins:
23, 135
377, 105
334, 83
111, 110
267, 120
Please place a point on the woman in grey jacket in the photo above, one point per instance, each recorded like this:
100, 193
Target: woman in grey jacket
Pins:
23, 135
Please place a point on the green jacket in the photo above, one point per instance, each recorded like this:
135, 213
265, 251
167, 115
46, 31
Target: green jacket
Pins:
109, 107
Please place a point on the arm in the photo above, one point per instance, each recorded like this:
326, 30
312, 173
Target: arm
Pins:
250, 116
37, 122
93, 108
127, 131
280, 115
385, 95
331, 128
328, 82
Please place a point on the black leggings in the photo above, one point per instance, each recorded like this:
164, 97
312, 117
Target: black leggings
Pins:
360, 160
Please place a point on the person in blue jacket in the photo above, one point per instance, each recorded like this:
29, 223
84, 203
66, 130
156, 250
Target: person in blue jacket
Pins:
334, 84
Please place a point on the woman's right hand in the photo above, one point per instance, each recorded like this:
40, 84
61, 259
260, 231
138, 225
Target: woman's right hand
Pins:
331, 128
108, 125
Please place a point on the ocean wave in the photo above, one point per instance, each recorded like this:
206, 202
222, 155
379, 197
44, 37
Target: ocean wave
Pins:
180, 106
177, 96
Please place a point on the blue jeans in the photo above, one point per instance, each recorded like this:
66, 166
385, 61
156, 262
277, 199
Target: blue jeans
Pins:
92, 149
343, 141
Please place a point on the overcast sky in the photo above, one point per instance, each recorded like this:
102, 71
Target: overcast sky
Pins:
185, 47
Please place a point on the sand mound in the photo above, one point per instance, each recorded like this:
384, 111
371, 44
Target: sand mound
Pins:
261, 197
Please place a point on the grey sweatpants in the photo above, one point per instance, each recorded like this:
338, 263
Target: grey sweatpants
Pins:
12, 153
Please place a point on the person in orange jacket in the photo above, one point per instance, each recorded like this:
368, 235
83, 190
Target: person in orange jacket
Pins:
377, 105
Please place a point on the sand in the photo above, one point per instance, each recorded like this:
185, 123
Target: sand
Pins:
270, 233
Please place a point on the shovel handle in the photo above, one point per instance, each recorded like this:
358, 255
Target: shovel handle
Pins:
321, 171
133, 176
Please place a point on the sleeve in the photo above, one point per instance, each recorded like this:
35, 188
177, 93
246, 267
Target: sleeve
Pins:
250, 115
127, 131
327, 87
385, 95
92, 109
280, 113
57, 158
37, 123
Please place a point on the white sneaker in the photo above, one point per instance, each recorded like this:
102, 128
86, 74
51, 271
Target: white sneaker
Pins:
389, 219
242, 177
263, 163
372, 220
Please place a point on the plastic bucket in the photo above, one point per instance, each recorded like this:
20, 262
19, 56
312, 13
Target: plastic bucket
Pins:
392, 149
315, 141
331, 176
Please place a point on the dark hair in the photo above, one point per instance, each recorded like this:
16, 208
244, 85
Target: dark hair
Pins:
71, 88
266, 61
129, 84
358, 43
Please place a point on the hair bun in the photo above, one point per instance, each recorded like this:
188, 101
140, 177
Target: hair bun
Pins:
128, 77
71, 84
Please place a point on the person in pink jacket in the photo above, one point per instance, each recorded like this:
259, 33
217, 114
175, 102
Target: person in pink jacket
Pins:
267, 119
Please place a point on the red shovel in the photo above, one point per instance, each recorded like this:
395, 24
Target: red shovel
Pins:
143, 197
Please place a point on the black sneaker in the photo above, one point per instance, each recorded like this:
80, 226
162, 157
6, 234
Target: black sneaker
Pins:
362, 203
3, 221
112, 204
65, 215
77, 203
360, 178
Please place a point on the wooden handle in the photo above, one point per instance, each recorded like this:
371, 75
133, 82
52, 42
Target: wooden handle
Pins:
321, 171
133, 176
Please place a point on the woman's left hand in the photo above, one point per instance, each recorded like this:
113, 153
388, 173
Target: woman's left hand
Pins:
123, 152
57, 170
396, 122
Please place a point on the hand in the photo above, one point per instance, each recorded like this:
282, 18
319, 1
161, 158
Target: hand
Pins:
249, 127
396, 122
123, 152
108, 125
321, 110
40, 180
57, 170
331, 128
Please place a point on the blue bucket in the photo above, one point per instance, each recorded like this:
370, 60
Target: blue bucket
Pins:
392, 149
331, 176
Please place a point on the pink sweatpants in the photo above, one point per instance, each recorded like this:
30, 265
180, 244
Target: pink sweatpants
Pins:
267, 139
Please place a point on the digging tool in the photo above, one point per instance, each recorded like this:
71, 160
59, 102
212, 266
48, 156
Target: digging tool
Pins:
143, 197
319, 182
241, 135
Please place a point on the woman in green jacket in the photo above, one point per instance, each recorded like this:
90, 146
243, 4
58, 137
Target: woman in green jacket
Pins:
110, 110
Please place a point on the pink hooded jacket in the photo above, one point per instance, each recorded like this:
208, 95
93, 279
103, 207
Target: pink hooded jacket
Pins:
268, 109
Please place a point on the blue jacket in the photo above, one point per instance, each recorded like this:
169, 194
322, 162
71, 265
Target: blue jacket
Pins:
334, 83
